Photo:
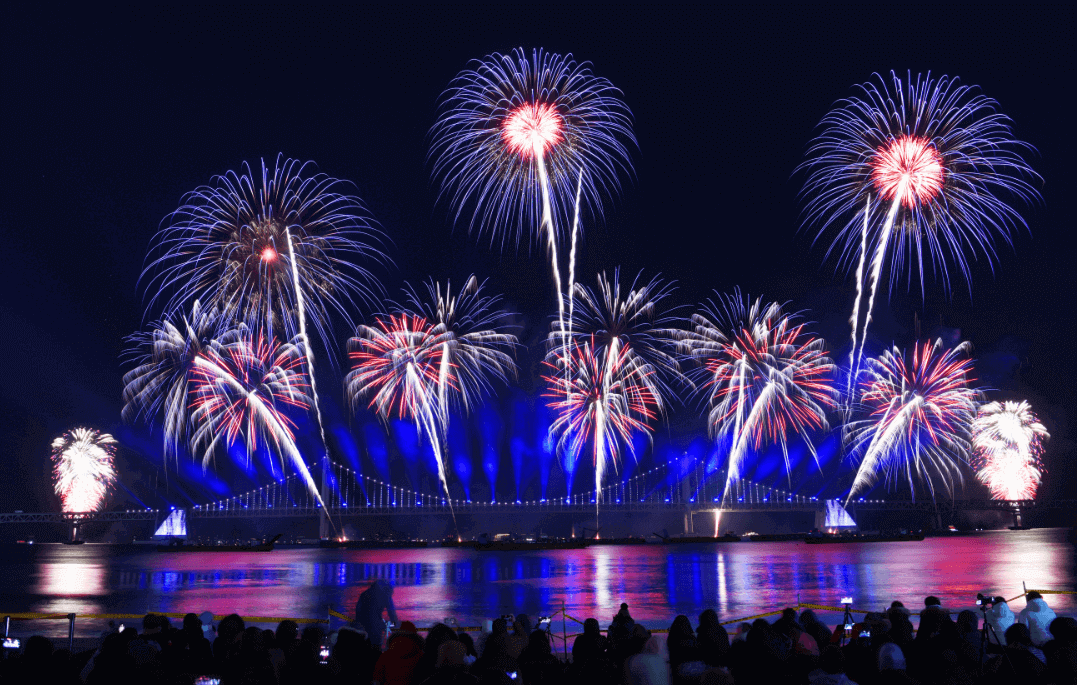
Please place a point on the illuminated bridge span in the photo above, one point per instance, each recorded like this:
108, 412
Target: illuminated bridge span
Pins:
683, 486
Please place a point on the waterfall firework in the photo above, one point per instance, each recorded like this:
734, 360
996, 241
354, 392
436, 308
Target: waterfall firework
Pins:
1008, 441
83, 468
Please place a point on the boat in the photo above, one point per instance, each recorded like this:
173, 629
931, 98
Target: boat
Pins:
74, 542
688, 539
825, 539
514, 545
180, 546
373, 544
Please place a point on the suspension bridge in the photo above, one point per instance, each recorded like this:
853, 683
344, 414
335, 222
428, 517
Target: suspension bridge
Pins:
683, 486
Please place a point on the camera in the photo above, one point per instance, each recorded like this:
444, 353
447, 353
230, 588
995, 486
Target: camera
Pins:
846, 600
848, 626
543, 620
983, 601
12, 643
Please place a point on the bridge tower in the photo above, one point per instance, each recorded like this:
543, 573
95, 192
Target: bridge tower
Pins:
324, 526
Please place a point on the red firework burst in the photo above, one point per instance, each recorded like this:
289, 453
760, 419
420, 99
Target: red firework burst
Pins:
910, 168
532, 129
397, 364
244, 388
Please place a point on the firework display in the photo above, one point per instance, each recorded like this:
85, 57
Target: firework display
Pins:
606, 397
83, 468
766, 378
911, 174
920, 409
911, 171
252, 242
1008, 440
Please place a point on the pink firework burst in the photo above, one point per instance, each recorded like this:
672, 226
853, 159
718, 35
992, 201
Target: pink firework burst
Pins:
1008, 441
909, 168
532, 129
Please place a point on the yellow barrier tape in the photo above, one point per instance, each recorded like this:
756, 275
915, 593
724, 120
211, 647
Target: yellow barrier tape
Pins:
1052, 592
35, 616
334, 612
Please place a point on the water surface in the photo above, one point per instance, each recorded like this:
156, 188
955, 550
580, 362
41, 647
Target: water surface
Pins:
657, 581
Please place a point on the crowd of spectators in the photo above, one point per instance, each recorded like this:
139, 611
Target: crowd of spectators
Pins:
1034, 646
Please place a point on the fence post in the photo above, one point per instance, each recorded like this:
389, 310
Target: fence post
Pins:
7, 625
71, 633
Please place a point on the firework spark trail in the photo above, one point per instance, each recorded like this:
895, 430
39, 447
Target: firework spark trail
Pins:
764, 377
242, 386
1008, 440
572, 271
309, 356
855, 319
920, 412
876, 270
83, 468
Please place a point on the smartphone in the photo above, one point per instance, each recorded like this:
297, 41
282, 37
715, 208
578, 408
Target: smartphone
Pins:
120, 629
12, 643
865, 633
848, 626
511, 674
324, 654
207, 680
846, 600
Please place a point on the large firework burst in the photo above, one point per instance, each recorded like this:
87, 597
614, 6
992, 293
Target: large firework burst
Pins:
1008, 440
244, 385
475, 349
515, 132
920, 411
635, 321
910, 171
242, 244
159, 385
83, 468
605, 398
765, 376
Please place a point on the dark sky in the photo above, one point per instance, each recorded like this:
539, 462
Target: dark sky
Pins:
109, 117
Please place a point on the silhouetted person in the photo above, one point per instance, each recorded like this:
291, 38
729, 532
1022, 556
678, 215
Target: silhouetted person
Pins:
373, 602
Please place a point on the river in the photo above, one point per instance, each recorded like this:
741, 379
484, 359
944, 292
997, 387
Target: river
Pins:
657, 581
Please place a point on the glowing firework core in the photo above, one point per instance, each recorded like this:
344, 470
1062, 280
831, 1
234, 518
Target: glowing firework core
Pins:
909, 168
532, 129
269, 254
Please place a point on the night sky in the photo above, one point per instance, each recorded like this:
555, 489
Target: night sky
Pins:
109, 117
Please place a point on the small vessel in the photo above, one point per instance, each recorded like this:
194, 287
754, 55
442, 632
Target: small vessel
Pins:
687, 539
507, 543
373, 544
181, 546
825, 539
